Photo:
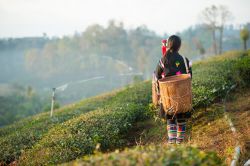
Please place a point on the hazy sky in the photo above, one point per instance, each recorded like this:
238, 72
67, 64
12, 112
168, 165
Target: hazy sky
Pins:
20, 18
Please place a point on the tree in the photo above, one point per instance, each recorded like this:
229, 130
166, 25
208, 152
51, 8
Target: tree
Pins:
215, 18
244, 35
30, 91
225, 15
199, 46
209, 17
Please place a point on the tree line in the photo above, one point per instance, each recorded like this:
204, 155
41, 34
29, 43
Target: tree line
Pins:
215, 18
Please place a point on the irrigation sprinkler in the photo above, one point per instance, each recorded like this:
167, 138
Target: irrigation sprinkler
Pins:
52, 101
64, 86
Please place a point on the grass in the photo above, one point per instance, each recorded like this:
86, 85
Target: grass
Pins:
238, 108
209, 130
147, 132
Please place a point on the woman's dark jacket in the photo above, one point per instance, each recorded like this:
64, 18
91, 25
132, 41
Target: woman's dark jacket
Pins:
171, 64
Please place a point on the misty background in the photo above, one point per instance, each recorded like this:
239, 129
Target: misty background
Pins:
95, 59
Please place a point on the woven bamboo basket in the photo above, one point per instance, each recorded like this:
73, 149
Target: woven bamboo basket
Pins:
154, 94
176, 94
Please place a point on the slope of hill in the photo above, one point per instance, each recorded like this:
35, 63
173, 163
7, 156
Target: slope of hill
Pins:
24, 134
208, 130
77, 129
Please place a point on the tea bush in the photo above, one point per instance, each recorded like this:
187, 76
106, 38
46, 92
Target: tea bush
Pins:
212, 78
152, 156
22, 135
242, 69
80, 135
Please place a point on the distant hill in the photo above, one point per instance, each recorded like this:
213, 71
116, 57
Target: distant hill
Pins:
113, 52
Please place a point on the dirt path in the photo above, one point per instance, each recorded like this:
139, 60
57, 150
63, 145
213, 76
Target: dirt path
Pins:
208, 129
238, 108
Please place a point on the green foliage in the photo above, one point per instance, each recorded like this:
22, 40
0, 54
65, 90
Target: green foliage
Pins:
137, 79
153, 156
244, 34
74, 131
242, 70
22, 135
47, 107
98, 50
211, 81
19, 103
215, 76
80, 135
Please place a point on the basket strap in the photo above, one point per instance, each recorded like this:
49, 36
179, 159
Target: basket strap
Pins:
185, 61
161, 64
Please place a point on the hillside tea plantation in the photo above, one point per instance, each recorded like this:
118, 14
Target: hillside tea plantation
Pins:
80, 135
22, 135
75, 130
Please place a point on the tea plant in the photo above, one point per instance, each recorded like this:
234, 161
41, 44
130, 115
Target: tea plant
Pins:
18, 137
152, 156
80, 135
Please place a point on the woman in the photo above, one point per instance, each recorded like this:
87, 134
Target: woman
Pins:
174, 64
